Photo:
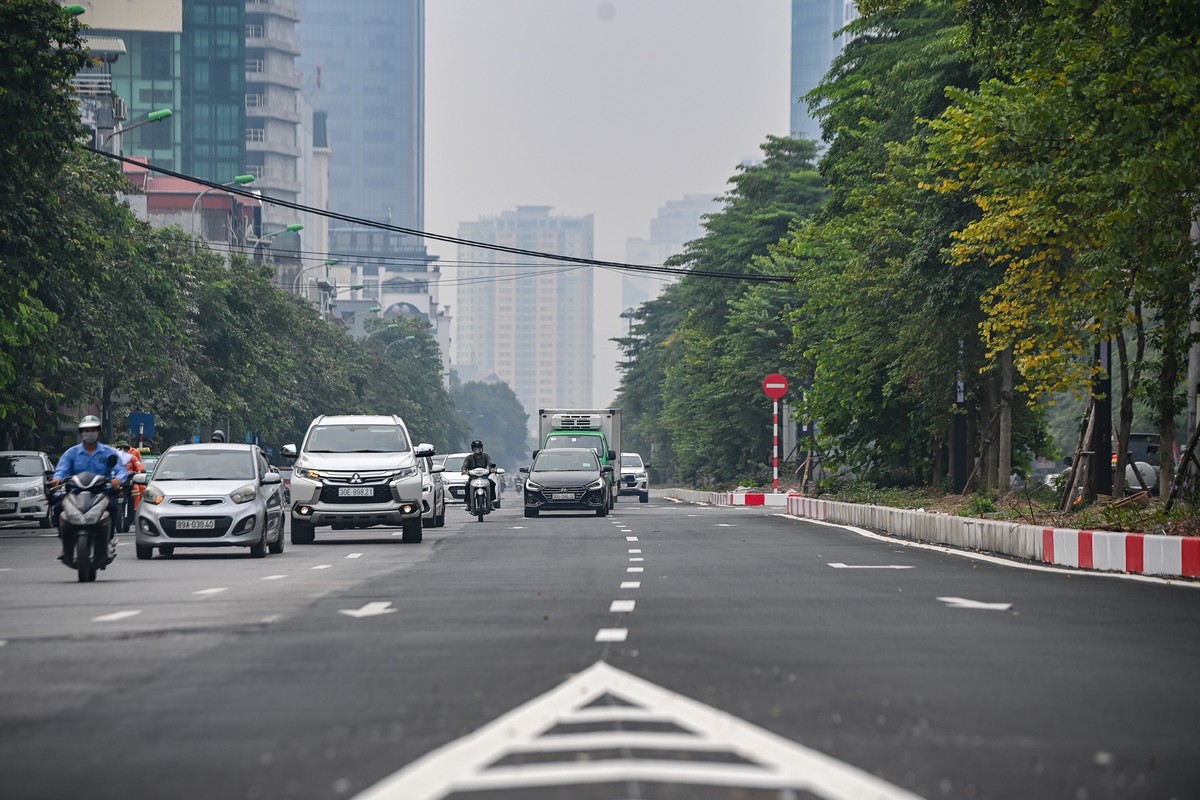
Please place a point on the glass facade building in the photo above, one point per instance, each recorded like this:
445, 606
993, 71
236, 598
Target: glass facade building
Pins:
814, 46
213, 108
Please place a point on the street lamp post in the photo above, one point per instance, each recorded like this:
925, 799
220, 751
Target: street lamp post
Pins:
329, 262
237, 180
258, 240
154, 116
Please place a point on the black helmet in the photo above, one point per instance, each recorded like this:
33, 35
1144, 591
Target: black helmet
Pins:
217, 436
476, 443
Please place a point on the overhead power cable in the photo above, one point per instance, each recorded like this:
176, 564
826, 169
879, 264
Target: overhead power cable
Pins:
616, 265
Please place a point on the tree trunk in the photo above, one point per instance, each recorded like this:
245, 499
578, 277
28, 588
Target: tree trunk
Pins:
1168, 376
987, 408
1004, 449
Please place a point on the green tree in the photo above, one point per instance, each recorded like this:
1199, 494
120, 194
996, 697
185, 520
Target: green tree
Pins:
496, 416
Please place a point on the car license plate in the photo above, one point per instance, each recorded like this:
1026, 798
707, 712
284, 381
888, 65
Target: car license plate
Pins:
563, 496
356, 491
194, 524
6, 507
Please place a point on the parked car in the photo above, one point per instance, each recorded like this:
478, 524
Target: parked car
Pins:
567, 479
454, 478
23, 486
210, 495
634, 477
433, 493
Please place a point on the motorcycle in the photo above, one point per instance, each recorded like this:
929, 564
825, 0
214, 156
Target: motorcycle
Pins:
479, 492
84, 522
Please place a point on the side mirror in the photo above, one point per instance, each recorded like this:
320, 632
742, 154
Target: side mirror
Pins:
500, 471
524, 470
438, 468
612, 455
424, 450
606, 469
288, 451
272, 478
141, 479
535, 452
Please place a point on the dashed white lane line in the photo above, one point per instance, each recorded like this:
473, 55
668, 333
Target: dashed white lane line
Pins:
621, 606
631, 538
637, 558
216, 590
5, 569
635, 569
634, 550
631, 584
273, 577
115, 616
354, 555
611, 634
725, 525
322, 566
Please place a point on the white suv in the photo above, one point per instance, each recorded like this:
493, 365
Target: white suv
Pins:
634, 478
356, 472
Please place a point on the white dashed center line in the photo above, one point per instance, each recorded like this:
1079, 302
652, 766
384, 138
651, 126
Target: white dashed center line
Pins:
322, 566
273, 577
635, 569
611, 634
621, 606
354, 555
216, 590
634, 550
115, 616
637, 558
631, 538
631, 584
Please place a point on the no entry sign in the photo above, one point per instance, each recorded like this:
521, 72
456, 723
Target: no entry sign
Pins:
775, 385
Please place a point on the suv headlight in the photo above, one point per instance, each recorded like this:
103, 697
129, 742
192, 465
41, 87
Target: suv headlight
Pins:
596, 484
311, 474
406, 472
153, 495
243, 494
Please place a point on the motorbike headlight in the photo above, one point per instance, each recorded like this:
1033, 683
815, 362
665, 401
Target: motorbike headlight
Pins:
534, 487
407, 472
32, 491
243, 494
596, 484
311, 474
153, 495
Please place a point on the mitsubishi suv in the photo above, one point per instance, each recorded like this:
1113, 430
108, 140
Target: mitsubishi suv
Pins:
356, 472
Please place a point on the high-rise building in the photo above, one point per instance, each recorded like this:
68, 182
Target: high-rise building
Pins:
815, 24
677, 223
213, 109
527, 321
273, 146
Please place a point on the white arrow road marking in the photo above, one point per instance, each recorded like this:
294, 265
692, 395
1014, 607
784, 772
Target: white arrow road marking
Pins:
962, 602
621, 606
217, 590
631, 584
369, 610
768, 761
611, 634
840, 565
115, 616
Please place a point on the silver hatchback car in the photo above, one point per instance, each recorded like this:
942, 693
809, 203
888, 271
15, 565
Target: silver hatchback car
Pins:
210, 495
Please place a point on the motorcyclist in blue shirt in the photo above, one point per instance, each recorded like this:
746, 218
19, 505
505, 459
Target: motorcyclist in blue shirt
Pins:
91, 455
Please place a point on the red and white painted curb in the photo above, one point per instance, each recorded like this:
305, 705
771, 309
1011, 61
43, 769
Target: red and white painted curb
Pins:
1138, 553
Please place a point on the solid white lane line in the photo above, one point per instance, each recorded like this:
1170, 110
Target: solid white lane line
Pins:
322, 566
635, 569
631, 584
354, 555
840, 565
621, 606
611, 634
273, 577
634, 550
115, 616
216, 590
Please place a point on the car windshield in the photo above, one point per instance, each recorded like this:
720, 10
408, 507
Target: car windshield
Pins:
20, 466
565, 462
454, 463
632, 462
205, 465
357, 439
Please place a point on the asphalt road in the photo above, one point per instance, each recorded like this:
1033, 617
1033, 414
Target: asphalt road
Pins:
666, 651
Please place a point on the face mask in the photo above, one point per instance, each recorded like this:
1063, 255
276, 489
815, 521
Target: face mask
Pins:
91, 437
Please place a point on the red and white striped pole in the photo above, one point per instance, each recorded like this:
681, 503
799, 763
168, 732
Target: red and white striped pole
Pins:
775, 448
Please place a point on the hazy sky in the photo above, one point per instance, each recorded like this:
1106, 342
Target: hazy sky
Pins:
603, 107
